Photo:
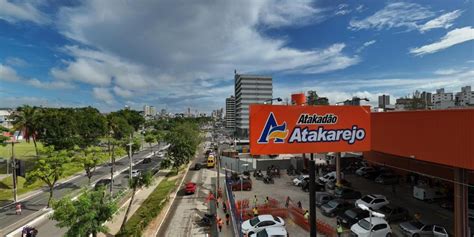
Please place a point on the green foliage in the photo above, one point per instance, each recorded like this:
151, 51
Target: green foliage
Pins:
25, 119
136, 144
91, 125
118, 126
90, 158
132, 117
85, 215
150, 138
3, 139
183, 139
150, 208
49, 168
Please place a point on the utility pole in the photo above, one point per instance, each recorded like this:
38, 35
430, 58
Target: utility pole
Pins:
130, 155
14, 172
312, 197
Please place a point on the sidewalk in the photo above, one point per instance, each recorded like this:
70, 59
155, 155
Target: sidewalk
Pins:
140, 196
227, 230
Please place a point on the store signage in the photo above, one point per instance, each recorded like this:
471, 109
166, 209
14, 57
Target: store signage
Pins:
280, 129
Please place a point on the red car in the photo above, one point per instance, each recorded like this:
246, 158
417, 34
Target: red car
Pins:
190, 188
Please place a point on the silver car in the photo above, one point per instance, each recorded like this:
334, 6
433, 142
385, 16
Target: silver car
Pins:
418, 229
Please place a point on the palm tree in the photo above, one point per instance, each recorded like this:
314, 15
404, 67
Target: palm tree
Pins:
26, 120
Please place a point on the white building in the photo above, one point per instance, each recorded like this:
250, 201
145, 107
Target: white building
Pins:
146, 110
442, 100
5, 120
152, 110
249, 89
465, 97
230, 112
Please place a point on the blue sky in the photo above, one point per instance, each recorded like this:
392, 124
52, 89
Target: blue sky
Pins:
180, 54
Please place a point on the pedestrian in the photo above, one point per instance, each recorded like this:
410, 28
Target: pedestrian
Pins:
306, 215
224, 207
287, 203
217, 202
255, 200
299, 205
219, 224
255, 212
266, 201
339, 229
227, 218
18, 208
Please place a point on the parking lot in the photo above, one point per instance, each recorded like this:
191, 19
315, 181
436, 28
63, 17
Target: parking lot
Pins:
398, 195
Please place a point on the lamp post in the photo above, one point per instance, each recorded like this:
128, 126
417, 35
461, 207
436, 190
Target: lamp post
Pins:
241, 189
271, 100
371, 213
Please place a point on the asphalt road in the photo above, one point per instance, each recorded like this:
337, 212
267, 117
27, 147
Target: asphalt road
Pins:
37, 202
186, 210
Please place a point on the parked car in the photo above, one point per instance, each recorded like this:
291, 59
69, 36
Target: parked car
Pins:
373, 227
394, 213
418, 229
298, 180
245, 184
190, 188
260, 222
346, 193
372, 174
387, 178
305, 186
363, 170
352, 216
331, 176
334, 207
373, 201
331, 185
279, 231
135, 173
101, 183
197, 166
323, 198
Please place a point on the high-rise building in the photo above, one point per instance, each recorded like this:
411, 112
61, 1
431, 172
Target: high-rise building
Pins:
427, 99
152, 110
146, 110
249, 89
384, 100
465, 97
442, 100
230, 112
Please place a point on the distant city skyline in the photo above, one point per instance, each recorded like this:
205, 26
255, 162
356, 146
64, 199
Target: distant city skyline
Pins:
72, 54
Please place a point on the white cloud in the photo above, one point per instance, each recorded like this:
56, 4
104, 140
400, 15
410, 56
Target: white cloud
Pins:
454, 37
394, 15
103, 94
443, 21
360, 8
15, 62
49, 85
342, 9
15, 11
365, 45
8, 74
161, 51
122, 92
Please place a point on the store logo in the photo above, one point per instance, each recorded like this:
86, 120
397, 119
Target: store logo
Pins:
273, 130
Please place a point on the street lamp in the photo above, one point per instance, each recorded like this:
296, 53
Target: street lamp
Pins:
241, 189
271, 100
371, 213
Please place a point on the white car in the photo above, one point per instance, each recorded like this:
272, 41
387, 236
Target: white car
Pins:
260, 222
298, 180
372, 201
363, 170
373, 227
329, 177
135, 173
279, 231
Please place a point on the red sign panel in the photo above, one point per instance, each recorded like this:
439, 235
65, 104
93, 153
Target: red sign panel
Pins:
282, 129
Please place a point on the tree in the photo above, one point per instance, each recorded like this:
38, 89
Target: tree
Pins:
183, 139
150, 139
90, 126
26, 120
85, 215
58, 128
3, 139
136, 144
49, 168
144, 180
133, 117
90, 158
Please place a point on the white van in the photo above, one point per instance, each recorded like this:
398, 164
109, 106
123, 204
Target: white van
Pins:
331, 176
